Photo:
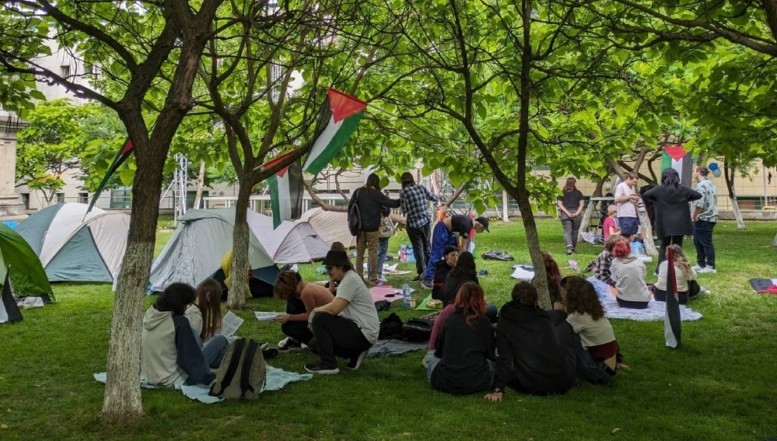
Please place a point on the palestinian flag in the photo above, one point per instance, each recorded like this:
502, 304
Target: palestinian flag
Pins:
346, 112
285, 190
9, 310
118, 160
672, 323
676, 157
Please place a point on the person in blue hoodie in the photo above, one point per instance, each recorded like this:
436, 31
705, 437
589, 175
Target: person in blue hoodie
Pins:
171, 354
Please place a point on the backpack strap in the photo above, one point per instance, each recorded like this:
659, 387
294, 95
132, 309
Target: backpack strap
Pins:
234, 361
245, 375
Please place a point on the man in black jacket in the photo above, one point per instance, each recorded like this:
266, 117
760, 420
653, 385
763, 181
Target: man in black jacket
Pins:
534, 347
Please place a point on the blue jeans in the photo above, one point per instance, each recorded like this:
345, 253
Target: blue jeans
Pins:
214, 350
702, 240
441, 238
382, 251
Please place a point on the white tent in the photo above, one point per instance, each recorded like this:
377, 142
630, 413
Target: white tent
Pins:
291, 242
195, 251
331, 226
74, 246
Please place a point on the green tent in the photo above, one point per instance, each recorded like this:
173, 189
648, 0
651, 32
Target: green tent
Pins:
27, 275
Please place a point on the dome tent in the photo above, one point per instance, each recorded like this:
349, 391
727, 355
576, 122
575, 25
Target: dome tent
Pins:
17, 259
74, 246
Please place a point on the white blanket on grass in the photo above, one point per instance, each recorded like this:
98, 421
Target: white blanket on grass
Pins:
654, 312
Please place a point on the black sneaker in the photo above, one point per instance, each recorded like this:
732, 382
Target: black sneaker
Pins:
416, 278
289, 344
320, 367
355, 362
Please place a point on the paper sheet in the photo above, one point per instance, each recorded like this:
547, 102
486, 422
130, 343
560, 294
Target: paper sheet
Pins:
264, 316
229, 324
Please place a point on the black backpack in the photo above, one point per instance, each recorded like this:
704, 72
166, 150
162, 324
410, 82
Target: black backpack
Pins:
417, 330
390, 327
355, 215
242, 372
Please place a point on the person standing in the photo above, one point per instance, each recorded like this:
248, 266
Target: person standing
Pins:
370, 201
626, 200
705, 216
570, 205
673, 215
414, 199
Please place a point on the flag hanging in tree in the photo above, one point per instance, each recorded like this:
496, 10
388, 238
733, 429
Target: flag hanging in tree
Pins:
118, 160
346, 112
672, 323
285, 190
9, 310
676, 157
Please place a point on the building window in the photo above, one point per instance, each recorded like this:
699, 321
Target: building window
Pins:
26, 200
60, 198
64, 70
83, 197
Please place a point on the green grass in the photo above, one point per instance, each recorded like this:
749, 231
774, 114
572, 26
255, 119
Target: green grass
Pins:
717, 386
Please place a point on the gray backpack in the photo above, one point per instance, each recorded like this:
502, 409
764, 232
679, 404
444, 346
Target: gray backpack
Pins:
242, 372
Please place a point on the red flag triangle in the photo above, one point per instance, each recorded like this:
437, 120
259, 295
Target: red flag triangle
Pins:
676, 152
272, 162
344, 105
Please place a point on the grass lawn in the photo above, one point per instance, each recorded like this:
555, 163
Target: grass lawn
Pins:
717, 386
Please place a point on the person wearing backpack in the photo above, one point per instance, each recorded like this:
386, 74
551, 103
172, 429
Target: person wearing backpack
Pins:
171, 354
347, 326
369, 200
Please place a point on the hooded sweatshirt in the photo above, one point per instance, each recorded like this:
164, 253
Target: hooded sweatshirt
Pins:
535, 352
170, 352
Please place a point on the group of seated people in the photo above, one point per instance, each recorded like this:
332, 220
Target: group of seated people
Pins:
626, 273
529, 349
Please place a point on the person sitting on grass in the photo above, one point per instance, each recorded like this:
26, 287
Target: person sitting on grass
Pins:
171, 354
463, 358
553, 274
301, 298
586, 315
441, 270
348, 325
602, 265
628, 272
531, 357
683, 274
464, 271
608, 227
204, 313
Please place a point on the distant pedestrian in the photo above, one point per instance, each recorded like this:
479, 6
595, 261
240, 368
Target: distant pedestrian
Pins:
415, 205
570, 205
705, 216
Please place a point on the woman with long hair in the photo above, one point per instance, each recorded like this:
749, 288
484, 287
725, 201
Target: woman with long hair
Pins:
673, 214
683, 274
570, 209
205, 317
586, 315
301, 298
464, 271
628, 272
554, 277
463, 361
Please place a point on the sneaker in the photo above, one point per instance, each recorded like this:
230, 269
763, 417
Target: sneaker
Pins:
696, 268
569, 251
356, 362
427, 284
289, 344
707, 270
320, 367
416, 278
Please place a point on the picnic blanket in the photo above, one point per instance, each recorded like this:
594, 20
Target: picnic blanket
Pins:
276, 379
764, 286
392, 346
654, 312
423, 305
387, 293
522, 271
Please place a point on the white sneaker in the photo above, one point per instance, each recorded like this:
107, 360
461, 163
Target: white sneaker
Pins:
707, 270
704, 291
696, 268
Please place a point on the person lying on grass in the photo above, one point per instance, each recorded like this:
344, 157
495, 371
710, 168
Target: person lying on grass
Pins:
170, 350
586, 315
463, 361
348, 325
301, 298
535, 352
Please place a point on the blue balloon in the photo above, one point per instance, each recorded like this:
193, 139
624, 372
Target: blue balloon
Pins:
716, 173
713, 166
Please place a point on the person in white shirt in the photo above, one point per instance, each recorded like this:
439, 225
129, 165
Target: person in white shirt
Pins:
626, 200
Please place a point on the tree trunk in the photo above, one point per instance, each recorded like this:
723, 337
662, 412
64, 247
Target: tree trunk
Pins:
505, 214
728, 173
238, 289
647, 233
774, 242
122, 402
200, 185
737, 214
586, 221
533, 242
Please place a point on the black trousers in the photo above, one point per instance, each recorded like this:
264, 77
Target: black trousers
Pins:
665, 242
298, 330
419, 239
336, 336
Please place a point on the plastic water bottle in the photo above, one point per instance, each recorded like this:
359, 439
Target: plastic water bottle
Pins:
406, 295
